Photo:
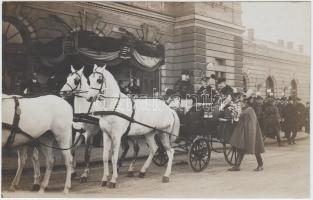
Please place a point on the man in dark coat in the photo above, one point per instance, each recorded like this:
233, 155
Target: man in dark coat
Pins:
53, 84
33, 87
258, 109
290, 120
272, 121
206, 93
300, 107
247, 137
183, 87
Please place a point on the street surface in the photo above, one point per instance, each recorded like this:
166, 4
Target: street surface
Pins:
286, 175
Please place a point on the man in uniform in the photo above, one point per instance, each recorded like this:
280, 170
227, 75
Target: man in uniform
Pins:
206, 93
183, 86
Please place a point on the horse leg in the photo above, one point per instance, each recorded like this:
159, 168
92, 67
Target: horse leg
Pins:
125, 147
65, 143
130, 172
84, 176
170, 153
36, 164
115, 151
74, 174
152, 149
48, 153
22, 157
106, 150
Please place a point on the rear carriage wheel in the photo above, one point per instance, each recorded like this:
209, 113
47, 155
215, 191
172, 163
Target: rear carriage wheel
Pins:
230, 154
160, 157
199, 154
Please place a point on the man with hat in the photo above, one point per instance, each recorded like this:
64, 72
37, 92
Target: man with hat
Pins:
272, 120
258, 109
247, 136
183, 86
290, 120
206, 93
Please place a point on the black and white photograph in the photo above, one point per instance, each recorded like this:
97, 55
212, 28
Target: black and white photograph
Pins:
156, 99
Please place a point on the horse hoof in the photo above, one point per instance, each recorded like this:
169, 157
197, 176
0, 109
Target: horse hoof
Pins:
142, 174
111, 185
165, 179
73, 175
66, 191
83, 179
130, 174
36, 187
104, 183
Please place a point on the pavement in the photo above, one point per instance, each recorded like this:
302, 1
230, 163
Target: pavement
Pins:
286, 175
9, 159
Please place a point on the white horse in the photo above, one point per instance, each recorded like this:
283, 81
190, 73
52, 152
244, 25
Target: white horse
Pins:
114, 127
39, 115
77, 85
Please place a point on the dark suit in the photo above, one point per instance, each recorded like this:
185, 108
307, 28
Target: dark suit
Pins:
290, 121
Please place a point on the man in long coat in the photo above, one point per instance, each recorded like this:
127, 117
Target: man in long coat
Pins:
247, 137
290, 120
272, 121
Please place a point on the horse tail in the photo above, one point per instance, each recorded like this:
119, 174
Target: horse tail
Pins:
175, 127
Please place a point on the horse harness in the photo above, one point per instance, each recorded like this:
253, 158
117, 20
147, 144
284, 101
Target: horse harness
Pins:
15, 125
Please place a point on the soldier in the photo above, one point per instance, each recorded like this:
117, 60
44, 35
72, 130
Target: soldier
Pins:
206, 93
183, 86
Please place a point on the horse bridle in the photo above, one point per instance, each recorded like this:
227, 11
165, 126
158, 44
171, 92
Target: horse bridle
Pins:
76, 82
100, 81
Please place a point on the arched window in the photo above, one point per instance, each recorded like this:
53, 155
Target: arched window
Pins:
270, 86
294, 89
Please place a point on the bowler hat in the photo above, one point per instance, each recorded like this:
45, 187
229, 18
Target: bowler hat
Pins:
186, 72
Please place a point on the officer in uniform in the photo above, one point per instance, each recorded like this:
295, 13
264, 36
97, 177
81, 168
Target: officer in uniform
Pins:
183, 86
206, 93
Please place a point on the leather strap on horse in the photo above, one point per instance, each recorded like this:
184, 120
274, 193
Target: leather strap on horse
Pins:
16, 120
132, 117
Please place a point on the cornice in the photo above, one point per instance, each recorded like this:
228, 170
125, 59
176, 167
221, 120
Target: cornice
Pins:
128, 10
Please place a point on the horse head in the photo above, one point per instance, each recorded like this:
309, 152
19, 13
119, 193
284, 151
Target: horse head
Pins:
102, 83
74, 82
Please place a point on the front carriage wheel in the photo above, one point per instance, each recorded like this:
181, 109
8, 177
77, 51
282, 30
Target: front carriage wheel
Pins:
160, 157
199, 154
230, 154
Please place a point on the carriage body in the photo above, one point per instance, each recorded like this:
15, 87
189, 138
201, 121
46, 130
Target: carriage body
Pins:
203, 129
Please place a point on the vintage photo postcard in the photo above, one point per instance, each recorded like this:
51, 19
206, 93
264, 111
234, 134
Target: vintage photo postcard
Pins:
158, 99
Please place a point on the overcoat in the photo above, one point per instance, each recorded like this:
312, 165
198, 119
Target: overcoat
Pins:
247, 135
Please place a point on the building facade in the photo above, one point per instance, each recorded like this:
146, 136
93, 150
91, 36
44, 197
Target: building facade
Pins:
204, 37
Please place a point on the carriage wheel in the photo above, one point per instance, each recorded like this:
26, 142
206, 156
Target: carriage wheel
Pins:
160, 157
230, 154
199, 154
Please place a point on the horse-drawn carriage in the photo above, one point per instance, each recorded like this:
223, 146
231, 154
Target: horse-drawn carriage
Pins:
203, 130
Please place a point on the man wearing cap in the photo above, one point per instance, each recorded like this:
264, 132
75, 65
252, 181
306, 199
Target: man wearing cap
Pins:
247, 136
183, 86
290, 120
206, 93
258, 109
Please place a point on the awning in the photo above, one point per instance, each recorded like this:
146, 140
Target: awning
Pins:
90, 48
